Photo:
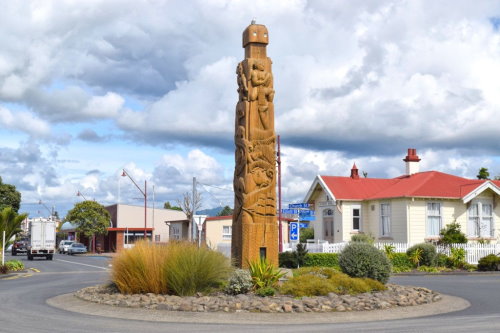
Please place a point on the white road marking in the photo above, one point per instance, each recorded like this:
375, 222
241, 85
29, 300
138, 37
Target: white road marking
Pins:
78, 263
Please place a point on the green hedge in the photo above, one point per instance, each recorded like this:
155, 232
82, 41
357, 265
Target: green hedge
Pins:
322, 260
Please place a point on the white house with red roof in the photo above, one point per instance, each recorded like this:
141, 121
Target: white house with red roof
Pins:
408, 209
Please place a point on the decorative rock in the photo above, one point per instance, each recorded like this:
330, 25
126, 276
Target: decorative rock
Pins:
392, 297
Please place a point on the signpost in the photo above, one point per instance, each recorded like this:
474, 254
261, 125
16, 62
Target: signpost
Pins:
299, 205
294, 231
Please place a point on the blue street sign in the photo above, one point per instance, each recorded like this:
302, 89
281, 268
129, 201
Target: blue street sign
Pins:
299, 205
294, 231
290, 211
306, 213
308, 218
304, 225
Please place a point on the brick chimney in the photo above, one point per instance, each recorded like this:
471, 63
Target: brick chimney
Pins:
412, 162
354, 172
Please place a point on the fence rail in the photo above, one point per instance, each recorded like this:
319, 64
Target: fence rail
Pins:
474, 251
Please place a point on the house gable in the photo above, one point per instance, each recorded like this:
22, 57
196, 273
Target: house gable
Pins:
480, 189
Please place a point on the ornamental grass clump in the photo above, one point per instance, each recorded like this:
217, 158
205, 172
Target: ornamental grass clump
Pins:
140, 269
190, 269
364, 260
178, 268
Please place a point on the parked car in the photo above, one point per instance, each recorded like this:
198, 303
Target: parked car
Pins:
77, 248
64, 245
20, 246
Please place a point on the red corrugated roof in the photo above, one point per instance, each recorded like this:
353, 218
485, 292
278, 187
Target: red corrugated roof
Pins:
432, 184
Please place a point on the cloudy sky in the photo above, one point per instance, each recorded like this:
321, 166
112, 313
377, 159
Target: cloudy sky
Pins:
88, 88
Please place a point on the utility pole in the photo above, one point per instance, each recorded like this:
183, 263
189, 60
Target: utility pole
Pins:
280, 230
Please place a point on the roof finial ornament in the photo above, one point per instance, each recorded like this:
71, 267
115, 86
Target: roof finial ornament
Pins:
254, 21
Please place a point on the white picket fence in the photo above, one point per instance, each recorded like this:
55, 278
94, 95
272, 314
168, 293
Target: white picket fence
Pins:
474, 251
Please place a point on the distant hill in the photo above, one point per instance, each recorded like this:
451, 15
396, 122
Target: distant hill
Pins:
210, 212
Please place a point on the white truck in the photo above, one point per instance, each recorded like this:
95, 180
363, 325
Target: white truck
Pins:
42, 241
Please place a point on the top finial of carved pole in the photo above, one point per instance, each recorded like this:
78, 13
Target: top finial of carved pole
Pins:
255, 33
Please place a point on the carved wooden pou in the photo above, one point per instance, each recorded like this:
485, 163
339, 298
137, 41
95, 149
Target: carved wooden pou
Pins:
255, 229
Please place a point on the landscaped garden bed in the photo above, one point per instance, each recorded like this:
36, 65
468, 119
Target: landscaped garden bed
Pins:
182, 277
394, 296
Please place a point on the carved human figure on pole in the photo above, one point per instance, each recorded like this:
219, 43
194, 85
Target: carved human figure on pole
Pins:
254, 219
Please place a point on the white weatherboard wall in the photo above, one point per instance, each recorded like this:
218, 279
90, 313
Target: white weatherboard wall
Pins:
133, 217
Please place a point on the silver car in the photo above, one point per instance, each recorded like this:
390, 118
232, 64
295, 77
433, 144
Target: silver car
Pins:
64, 245
77, 248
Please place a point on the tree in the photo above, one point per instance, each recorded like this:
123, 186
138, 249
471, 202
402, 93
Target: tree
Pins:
167, 205
483, 174
10, 222
187, 206
9, 196
226, 211
305, 234
90, 217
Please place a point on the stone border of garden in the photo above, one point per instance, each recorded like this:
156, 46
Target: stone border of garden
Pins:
394, 296
68, 302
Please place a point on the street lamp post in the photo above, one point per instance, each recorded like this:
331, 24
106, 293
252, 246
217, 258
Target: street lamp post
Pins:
80, 194
144, 193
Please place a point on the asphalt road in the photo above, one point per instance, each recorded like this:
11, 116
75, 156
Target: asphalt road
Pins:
23, 305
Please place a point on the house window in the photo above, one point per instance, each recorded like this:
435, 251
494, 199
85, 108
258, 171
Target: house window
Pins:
226, 232
157, 238
356, 218
433, 218
480, 219
385, 219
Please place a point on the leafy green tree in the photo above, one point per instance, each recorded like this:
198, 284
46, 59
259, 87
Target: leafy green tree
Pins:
305, 234
483, 174
167, 205
90, 217
451, 234
10, 222
226, 211
9, 196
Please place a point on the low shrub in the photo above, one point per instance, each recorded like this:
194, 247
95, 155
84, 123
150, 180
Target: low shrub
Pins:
264, 274
457, 257
318, 281
140, 269
427, 253
364, 260
363, 238
190, 269
266, 291
429, 269
322, 260
442, 260
287, 259
488, 263
293, 259
401, 263
3, 269
14, 265
240, 282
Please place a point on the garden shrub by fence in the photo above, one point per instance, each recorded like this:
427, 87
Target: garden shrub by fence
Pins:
474, 251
